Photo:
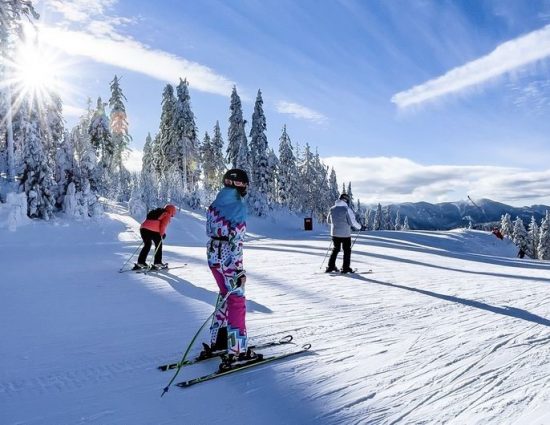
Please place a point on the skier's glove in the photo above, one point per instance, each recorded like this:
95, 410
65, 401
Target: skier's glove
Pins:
164, 236
241, 280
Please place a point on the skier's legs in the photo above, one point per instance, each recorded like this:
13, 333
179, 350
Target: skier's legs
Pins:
219, 320
346, 242
158, 248
235, 310
336, 242
147, 240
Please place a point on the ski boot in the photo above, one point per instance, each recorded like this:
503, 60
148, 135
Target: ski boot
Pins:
330, 269
159, 266
140, 266
229, 361
346, 270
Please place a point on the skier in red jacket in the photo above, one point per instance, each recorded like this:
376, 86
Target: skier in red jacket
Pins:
153, 229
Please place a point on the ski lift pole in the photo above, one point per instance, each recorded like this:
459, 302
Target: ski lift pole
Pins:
219, 304
131, 256
478, 207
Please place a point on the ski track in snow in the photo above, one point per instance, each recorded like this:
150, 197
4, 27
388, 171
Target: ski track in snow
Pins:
450, 328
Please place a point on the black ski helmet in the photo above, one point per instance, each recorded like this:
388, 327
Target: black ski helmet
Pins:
344, 197
236, 178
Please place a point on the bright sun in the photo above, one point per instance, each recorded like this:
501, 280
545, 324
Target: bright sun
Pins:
36, 72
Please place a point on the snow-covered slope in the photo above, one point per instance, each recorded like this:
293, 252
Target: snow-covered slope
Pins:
449, 328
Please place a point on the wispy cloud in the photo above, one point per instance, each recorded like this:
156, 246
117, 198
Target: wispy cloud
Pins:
301, 112
506, 58
98, 37
393, 180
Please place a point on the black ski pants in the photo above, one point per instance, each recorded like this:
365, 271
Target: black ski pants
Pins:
340, 243
149, 237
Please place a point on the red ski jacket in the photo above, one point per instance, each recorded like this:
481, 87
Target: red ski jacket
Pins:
158, 226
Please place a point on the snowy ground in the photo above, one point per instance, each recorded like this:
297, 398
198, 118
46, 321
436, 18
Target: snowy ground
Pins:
449, 328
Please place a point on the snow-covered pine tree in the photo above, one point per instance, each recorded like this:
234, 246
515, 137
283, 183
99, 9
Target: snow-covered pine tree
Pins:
350, 194
87, 185
147, 160
333, 185
533, 238
308, 183
258, 158
101, 140
237, 149
66, 168
12, 16
397, 224
506, 226
378, 217
37, 179
271, 176
54, 127
217, 154
185, 135
406, 224
288, 172
120, 139
386, 218
209, 169
519, 234
543, 248
343, 188
169, 152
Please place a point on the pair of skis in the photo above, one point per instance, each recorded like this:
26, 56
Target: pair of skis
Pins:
239, 366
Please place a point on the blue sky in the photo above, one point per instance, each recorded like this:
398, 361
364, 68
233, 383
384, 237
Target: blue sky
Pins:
409, 100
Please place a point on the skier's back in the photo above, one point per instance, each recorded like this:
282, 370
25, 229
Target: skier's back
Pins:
342, 220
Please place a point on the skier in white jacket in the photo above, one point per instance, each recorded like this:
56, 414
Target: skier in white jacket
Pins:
342, 219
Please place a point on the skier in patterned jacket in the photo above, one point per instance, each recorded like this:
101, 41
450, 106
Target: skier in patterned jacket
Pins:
226, 227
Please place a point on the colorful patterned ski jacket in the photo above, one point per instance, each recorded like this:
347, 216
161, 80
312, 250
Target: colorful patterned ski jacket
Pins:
226, 227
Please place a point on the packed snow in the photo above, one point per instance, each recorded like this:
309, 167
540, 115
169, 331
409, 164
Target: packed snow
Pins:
450, 327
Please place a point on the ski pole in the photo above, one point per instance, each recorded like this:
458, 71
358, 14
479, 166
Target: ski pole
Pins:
356, 236
218, 306
330, 245
131, 256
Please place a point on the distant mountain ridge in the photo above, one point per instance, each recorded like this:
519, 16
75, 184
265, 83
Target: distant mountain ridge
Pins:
451, 215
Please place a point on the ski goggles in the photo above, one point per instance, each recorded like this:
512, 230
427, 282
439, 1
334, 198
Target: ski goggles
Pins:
236, 183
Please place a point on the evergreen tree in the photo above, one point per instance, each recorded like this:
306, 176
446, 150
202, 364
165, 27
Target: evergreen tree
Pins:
308, 180
397, 224
148, 160
210, 172
217, 154
271, 176
237, 149
185, 136
543, 248
54, 127
100, 135
519, 235
169, 151
119, 124
350, 194
378, 217
287, 172
37, 180
333, 184
406, 224
66, 168
386, 218
12, 15
258, 157
506, 227
533, 238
